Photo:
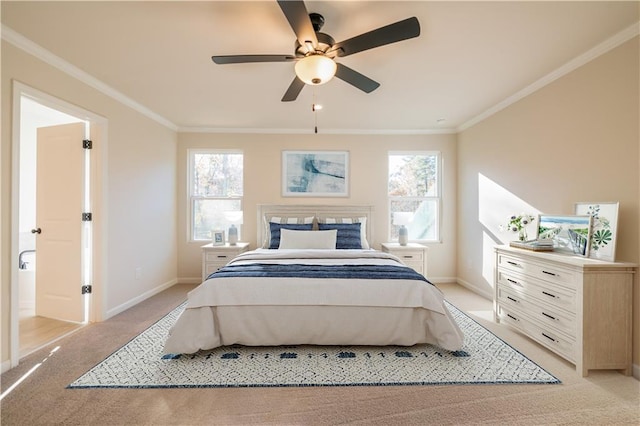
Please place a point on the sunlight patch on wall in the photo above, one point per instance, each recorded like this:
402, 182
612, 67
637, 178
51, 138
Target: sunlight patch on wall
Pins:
496, 205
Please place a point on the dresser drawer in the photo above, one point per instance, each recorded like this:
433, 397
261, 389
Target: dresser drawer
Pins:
541, 313
210, 268
213, 256
410, 256
416, 266
552, 274
556, 341
557, 296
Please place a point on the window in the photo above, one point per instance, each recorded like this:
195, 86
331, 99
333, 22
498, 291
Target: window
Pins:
215, 190
414, 192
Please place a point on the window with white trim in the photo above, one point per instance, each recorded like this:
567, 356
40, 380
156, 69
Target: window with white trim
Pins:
414, 195
215, 192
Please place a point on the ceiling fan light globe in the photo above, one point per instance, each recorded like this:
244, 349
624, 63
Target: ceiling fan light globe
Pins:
315, 69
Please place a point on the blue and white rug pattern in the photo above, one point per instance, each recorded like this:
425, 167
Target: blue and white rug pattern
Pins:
484, 359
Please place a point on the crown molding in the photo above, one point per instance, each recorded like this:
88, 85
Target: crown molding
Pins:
23, 43
591, 54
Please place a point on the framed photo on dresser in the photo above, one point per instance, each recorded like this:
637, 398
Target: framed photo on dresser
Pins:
604, 228
569, 233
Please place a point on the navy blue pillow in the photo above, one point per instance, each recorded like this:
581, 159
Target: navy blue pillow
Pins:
274, 231
348, 234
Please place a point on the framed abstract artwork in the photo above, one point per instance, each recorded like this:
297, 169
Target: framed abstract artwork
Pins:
315, 173
570, 234
604, 228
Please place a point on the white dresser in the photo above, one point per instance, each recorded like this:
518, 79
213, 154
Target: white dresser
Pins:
215, 257
579, 308
413, 255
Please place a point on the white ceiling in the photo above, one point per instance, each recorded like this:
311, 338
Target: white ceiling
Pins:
471, 58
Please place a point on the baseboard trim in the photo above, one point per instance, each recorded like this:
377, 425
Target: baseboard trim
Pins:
474, 289
6, 366
189, 280
147, 294
442, 280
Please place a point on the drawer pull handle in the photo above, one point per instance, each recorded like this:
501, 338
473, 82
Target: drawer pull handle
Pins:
408, 256
549, 294
222, 256
550, 316
512, 317
550, 273
550, 338
514, 263
512, 299
514, 282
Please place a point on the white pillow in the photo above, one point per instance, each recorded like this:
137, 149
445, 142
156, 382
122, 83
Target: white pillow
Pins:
292, 239
361, 220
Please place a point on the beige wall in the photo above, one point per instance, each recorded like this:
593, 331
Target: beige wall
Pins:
140, 197
577, 139
368, 174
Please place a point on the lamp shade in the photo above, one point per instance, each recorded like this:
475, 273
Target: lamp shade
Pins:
234, 216
315, 69
402, 218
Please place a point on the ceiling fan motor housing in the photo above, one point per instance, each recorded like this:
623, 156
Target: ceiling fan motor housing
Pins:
325, 41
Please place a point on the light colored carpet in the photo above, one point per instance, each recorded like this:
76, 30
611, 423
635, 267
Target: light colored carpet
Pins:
603, 398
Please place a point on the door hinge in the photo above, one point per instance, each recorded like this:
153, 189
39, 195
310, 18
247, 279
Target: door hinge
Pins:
87, 144
86, 289
87, 217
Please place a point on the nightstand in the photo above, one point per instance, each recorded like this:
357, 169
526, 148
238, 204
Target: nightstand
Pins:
215, 257
413, 255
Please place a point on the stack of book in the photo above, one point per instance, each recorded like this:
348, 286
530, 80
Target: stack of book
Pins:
535, 245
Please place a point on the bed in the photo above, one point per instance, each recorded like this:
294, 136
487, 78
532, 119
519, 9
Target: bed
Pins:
314, 280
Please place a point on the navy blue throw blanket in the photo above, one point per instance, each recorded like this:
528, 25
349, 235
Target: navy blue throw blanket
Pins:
370, 272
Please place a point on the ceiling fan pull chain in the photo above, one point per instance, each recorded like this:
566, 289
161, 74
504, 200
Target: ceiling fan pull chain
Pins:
315, 112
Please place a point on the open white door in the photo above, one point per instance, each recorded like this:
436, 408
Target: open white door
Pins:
59, 205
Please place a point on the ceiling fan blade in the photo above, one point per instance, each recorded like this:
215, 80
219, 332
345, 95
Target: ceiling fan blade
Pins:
298, 17
241, 59
294, 90
401, 30
356, 79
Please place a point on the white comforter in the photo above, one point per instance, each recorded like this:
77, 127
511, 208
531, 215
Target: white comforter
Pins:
275, 311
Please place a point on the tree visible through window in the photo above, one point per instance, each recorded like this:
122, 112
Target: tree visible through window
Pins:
414, 189
215, 189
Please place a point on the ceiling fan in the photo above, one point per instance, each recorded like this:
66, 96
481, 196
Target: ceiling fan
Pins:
315, 52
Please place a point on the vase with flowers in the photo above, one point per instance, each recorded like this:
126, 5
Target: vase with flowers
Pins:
519, 224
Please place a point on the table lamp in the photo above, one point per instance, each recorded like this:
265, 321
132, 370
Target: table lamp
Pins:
402, 219
235, 218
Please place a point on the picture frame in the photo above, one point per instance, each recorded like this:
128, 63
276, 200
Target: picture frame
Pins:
604, 228
217, 237
315, 173
569, 233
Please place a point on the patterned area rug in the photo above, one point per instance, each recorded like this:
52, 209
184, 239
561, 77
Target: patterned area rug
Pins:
484, 359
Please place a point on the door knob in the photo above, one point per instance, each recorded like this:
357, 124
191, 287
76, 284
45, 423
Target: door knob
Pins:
36, 231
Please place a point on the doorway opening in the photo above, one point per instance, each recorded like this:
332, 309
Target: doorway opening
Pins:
41, 248
35, 328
